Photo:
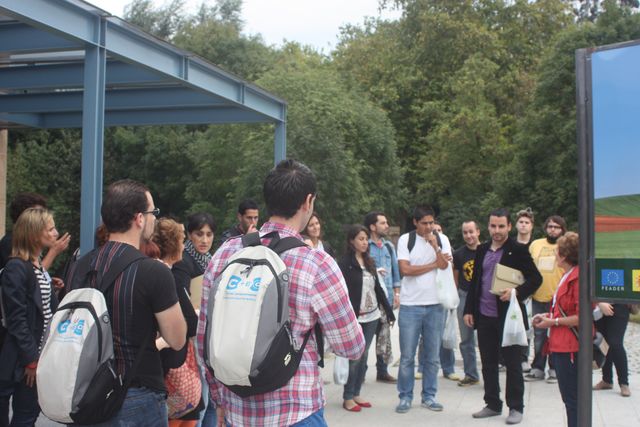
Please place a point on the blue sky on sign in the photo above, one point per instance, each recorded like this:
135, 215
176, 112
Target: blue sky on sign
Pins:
616, 113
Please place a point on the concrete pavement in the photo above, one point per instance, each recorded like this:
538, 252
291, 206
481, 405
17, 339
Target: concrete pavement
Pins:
543, 404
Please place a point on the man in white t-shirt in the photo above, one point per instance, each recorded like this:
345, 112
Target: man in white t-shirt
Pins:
419, 256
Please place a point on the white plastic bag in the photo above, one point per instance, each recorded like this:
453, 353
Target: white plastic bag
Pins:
446, 286
340, 370
514, 332
450, 335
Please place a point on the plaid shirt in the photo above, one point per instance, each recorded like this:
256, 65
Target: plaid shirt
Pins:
317, 293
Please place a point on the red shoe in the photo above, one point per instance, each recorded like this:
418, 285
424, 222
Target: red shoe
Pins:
364, 404
356, 408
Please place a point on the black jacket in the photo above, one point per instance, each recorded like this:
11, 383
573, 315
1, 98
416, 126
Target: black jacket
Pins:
514, 255
22, 302
352, 273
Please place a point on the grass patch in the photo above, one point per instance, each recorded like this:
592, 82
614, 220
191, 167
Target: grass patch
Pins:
618, 205
622, 244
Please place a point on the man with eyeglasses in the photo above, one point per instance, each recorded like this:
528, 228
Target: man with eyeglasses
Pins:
142, 302
543, 254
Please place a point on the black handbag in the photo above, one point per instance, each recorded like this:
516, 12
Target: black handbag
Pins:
600, 346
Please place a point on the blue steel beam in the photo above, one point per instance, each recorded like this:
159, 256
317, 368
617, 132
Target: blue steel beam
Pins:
132, 45
179, 116
92, 145
280, 146
25, 120
19, 38
63, 76
121, 99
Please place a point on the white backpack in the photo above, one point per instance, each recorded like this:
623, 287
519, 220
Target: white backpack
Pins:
76, 376
248, 343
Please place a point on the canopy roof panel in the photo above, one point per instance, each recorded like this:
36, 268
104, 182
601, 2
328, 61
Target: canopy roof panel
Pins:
147, 80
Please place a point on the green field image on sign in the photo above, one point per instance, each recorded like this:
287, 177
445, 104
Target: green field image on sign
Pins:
617, 227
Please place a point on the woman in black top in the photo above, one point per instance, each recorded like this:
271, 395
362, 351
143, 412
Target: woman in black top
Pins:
29, 303
367, 298
195, 259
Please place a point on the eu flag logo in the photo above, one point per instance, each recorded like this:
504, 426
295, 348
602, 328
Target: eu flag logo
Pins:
613, 278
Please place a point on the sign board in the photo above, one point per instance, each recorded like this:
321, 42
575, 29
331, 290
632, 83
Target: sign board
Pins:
612, 146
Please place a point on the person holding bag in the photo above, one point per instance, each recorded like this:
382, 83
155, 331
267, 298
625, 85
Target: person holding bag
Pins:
182, 376
487, 313
562, 322
367, 297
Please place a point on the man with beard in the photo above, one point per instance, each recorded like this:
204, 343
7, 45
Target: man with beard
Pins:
487, 312
384, 255
543, 252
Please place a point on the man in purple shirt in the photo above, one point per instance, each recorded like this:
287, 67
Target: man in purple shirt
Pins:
486, 313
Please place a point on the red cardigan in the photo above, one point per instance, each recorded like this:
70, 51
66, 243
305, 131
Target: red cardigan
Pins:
561, 339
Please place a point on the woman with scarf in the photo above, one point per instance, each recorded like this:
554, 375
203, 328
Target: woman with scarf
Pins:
195, 259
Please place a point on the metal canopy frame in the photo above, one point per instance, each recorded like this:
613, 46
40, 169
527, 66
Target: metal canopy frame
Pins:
69, 64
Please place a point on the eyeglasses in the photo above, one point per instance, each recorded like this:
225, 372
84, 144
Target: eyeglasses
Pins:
557, 227
155, 212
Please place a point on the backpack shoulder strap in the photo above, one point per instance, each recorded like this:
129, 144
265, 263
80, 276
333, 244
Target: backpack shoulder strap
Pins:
412, 240
104, 282
283, 245
251, 239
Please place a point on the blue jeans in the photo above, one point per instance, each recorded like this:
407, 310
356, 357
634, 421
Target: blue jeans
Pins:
566, 365
467, 341
314, 420
414, 320
24, 404
141, 408
447, 357
358, 368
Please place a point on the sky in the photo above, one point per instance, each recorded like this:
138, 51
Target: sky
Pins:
309, 22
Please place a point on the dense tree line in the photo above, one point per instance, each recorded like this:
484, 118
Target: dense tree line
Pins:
464, 105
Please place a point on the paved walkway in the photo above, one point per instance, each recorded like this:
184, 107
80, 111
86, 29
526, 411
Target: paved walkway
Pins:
543, 404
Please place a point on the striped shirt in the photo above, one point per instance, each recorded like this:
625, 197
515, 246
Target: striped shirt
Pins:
44, 283
317, 293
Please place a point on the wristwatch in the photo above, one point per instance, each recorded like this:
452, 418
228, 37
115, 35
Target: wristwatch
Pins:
557, 324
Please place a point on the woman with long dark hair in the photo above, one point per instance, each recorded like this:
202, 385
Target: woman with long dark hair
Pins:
29, 302
367, 298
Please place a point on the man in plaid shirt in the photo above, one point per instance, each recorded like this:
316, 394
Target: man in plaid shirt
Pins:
317, 294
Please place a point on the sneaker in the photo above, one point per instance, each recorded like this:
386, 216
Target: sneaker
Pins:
418, 375
533, 376
467, 381
625, 391
432, 405
403, 406
603, 386
515, 417
552, 379
486, 412
386, 378
526, 367
502, 368
452, 376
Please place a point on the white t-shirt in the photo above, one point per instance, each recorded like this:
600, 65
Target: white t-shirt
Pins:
420, 290
368, 302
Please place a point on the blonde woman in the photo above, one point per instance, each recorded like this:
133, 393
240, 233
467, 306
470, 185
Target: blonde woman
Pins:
28, 303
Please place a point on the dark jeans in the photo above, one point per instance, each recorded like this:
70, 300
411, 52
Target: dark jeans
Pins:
358, 368
566, 366
613, 329
24, 404
540, 337
490, 344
